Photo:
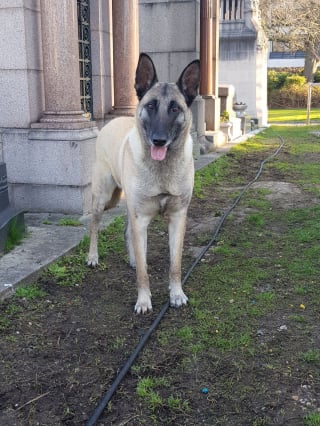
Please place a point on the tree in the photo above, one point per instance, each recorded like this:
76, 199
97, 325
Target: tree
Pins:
295, 24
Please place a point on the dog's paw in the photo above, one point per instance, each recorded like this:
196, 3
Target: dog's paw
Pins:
177, 298
92, 260
132, 263
143, 304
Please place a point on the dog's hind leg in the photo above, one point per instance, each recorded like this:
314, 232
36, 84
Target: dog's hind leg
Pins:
177, 224
105, 194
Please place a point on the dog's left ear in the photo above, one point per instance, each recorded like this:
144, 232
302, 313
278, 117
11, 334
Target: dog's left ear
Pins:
146, 75
189, 81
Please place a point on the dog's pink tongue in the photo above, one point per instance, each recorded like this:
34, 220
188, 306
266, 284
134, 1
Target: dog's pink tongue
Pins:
158, 152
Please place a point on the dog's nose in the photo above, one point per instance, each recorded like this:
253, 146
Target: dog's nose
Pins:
159, 142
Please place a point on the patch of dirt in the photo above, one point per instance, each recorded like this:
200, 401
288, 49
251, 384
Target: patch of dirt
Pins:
60, 354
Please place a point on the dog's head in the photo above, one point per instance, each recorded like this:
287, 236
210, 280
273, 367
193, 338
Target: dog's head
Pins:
163, 112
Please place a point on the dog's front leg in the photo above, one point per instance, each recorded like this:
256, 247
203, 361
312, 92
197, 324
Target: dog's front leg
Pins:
177, 224
138, 239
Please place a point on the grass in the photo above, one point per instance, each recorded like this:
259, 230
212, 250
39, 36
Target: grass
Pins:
294, 115
312, 419
16, 233
30, 292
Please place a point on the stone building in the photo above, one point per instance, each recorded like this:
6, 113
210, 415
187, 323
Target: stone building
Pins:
50, 48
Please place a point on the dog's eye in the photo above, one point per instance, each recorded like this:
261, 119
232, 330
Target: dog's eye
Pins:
150, 105
175, 109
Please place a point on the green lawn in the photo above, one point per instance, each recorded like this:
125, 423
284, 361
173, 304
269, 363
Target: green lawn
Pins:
287, 115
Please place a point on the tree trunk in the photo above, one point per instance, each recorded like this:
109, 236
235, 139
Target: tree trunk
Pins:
310, 65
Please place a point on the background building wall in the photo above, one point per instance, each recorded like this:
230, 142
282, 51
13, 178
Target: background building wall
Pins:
243, 60
169, 32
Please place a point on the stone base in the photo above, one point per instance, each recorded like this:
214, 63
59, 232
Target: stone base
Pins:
50, 170
236, 130
212, 113
217, 138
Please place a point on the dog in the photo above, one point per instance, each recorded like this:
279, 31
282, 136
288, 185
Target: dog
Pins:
150, 159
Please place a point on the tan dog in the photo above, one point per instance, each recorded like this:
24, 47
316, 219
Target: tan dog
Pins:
149, 157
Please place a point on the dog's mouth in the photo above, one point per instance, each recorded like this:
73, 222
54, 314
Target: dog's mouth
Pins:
158, 153
159, 149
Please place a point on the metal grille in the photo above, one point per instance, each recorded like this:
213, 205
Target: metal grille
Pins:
85, 56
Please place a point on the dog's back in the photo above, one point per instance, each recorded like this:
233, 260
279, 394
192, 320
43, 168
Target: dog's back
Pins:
110, 144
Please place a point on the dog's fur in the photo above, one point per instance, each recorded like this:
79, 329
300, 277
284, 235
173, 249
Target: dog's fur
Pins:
149, 157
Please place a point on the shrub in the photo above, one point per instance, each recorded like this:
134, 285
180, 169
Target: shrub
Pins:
294, 80
316, 77
276, 79
289, 89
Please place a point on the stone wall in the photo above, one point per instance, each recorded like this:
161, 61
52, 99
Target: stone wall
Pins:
21, 88
169, 32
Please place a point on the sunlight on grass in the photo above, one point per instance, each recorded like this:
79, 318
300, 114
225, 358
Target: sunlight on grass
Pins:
280, 115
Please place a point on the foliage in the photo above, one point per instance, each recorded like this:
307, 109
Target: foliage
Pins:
294, 25
294, 80
288, 90
224, 117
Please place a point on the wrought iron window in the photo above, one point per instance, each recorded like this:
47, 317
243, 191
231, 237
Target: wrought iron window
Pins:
85, 56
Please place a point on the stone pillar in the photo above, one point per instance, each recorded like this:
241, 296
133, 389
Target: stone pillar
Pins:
59, 29
125, 19
209, 54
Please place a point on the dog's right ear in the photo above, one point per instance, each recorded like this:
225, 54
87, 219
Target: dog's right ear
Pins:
146, 75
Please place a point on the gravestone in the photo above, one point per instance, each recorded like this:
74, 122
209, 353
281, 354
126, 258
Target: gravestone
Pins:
9, 217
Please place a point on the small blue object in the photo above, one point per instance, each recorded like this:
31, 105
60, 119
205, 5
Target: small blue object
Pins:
204, 390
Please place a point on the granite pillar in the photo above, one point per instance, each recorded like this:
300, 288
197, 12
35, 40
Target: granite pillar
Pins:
59, 29
125, 19
51, 163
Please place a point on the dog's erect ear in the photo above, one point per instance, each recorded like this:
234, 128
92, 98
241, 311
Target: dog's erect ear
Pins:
146, 75
189, 81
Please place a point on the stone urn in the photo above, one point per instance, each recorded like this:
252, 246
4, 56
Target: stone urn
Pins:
239, 108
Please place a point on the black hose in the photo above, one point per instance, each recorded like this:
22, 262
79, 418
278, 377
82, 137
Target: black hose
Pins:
114, 386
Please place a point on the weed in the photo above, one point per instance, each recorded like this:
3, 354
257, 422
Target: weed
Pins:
118, 342
58, 272
146, 389
256, 219
312, 419
185, 334
16, 233
31, 292
312, 355
297, 318
111, 240
69, 222
4, 323
178, 404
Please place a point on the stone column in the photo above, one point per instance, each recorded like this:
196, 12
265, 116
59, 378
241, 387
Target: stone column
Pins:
125, 19
59, 29
209, 54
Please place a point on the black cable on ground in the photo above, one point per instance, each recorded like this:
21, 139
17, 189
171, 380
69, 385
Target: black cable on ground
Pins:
114, 386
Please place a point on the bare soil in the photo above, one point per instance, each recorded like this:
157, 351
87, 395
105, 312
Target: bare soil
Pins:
59, 354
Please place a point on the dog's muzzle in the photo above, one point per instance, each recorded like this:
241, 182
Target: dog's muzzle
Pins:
159, 142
